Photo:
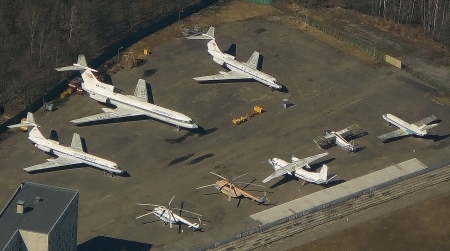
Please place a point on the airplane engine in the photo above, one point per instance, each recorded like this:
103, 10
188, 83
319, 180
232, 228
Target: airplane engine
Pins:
100, 98
218, 61
43, 148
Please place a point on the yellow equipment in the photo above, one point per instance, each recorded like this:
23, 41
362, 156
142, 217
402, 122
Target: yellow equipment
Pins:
24, 128
258, 109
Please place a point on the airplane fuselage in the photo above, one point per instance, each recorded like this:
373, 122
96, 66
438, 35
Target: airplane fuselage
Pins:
149, 109
342, 142
163, 213
411, 129
69, 153
300, 173
224, 187
237, 66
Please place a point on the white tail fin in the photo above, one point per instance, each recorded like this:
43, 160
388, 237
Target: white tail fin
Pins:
427, 127
213, 49
141, 90
324, 173
29, 122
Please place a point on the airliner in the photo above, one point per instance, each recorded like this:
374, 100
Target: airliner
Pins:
127, 105
72, 155
295, 168
419, 128
238, 70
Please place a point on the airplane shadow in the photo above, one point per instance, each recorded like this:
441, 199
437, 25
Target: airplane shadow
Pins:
200, 132
103, 243
150, 93
333, 183
54, 135
259, 65
284, 89
435, 138
149, 72
286, 178
231, 50
201, 158
116, 120
319, 165
125, 174
180, 159
395, 139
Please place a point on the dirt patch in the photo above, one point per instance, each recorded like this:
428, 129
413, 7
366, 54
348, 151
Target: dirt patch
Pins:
215, 15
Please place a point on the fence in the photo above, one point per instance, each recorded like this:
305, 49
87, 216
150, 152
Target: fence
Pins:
373, 51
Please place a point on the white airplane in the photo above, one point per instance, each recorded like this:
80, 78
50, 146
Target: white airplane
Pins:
296, 168
419, 128
127, 105
238, 70
338, 138
72, 155
166, 215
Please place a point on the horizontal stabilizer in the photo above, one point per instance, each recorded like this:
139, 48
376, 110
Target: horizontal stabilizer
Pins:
207, 35
75, 67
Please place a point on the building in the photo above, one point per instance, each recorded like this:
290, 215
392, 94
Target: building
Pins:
40, 218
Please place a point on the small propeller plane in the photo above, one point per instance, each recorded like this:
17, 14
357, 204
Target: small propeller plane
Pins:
339, 138
295, 168
166, 214
229, 188
419, 128
73, 155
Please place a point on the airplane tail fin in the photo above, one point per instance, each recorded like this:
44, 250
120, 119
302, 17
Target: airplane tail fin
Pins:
427, 127
81, 66
263, 199
324, 173
208, 35
29, 122
141, 90
213, 49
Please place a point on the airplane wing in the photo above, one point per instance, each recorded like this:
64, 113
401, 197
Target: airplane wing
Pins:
351, 130
276, 174
108, 114
394, 134
426, 121
309, 159
76, 143
324, 141
52, 163
231, 75
253, 60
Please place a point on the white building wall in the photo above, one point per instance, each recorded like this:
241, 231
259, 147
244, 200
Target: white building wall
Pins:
34, 241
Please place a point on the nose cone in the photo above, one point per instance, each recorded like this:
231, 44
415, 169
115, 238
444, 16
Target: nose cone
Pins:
194, 126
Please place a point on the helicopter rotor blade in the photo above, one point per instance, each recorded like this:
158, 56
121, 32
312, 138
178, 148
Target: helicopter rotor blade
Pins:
143, 215
184, 210
205, 186
249, 184
229, 191
239, 176
219, 176
171, 200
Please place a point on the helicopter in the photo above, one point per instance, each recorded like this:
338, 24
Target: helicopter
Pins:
229, 188
166, 214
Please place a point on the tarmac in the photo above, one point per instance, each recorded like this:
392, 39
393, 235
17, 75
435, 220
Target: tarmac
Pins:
329, 89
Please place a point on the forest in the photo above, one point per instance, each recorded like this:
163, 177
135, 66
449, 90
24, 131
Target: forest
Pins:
432, 15
39, 35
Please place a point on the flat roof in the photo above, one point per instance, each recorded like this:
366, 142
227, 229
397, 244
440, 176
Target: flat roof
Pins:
346, 189
43, 206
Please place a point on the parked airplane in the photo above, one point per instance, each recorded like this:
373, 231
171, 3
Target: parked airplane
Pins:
127, 105
419, 128
238, 70
165, 214
338, 138
229, 188
66, 155
295, 168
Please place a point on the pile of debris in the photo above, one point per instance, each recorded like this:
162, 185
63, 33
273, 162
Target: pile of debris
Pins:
256, 110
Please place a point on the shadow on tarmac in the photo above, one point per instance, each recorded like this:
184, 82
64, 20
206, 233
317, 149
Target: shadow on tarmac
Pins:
103, 243
180, 159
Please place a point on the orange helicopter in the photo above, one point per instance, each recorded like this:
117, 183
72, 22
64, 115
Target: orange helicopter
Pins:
229, 188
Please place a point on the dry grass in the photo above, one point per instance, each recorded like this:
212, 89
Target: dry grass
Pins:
424, 226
